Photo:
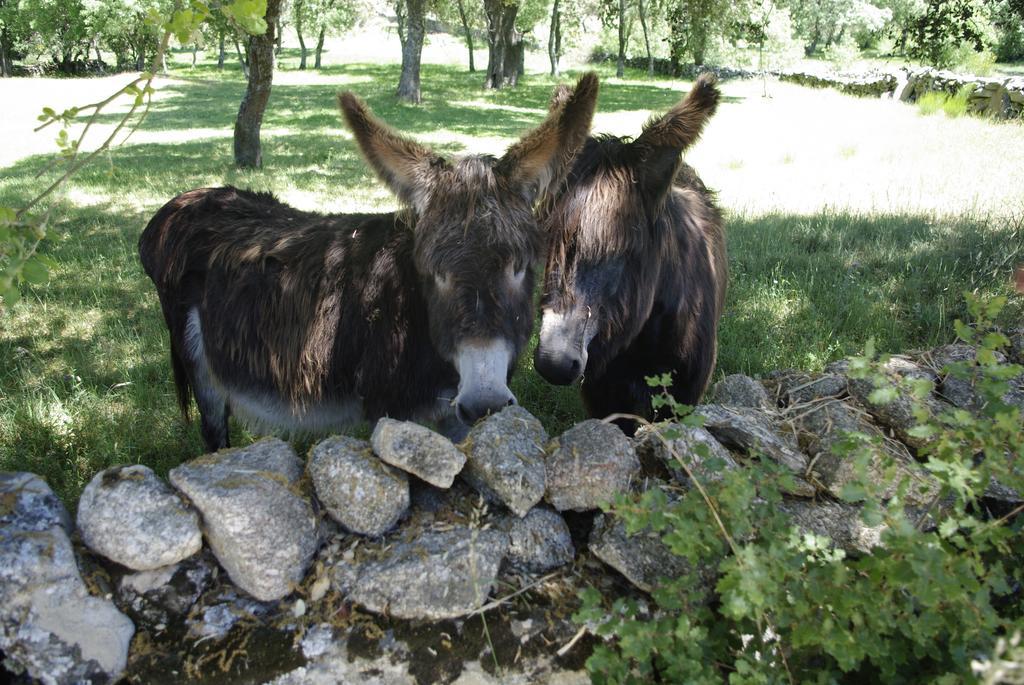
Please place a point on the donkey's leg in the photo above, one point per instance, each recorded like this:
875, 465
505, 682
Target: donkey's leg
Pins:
211, 399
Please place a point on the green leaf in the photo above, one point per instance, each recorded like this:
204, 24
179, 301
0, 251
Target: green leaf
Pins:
11, 296
35, 272
883, 395
924, 432
963, 331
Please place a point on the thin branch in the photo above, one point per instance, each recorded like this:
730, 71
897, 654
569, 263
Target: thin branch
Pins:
75, 162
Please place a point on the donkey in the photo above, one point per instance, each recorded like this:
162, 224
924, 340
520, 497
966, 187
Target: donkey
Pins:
309, 322
636, 271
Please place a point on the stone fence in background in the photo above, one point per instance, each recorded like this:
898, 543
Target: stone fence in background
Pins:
1000, 98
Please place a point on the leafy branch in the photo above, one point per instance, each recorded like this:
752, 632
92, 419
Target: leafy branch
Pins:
23, 230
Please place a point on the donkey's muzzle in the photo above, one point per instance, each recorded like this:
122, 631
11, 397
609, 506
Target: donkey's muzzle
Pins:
471, 410
558, 369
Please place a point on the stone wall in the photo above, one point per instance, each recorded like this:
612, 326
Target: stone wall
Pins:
260, 563
1001, 98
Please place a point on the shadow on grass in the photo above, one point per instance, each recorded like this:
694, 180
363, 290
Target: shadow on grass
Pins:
448, 94
86, 381
89, 384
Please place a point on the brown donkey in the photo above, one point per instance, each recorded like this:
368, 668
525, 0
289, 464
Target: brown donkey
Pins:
308, 322
636, 272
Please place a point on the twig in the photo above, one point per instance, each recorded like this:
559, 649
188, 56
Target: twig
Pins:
575, 638
502, 600
75, 162
714, 512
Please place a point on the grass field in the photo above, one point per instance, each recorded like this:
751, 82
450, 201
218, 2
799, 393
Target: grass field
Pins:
847, 219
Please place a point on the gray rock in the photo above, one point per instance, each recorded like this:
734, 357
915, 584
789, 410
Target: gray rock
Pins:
897, 415
258, 522
163, 595
738, 390
539, 542
748, 430
963, 391
642, 558
795, 387
50, 627
505, 458
359, 491
219, 612
588, 465
129, 515
418, 450
836, 520
439, 575
828, 424
686, 442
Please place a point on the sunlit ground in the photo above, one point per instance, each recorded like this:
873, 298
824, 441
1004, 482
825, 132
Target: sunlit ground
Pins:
848, 219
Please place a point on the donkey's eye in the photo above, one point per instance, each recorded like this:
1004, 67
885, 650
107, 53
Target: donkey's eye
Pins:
514, 276
443, 282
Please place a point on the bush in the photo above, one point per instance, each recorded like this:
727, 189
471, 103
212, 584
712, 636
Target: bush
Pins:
968, 59
790, 607
842, 55
1010, 43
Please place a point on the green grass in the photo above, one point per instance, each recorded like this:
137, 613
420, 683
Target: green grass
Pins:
85, 381
953, 105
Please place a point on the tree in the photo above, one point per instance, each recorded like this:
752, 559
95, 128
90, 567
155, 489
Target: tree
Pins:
299, 11
121, 27
823, 23
944, 25
332, 16
248, 152
60, 26
641, 11
411, 30
694, 24
13, 31
555, 37
468, 15
504, 44
620, 62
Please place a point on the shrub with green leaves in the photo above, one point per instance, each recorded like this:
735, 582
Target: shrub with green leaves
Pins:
789, 606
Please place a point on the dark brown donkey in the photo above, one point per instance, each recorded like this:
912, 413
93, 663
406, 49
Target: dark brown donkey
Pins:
308, 322
636, 272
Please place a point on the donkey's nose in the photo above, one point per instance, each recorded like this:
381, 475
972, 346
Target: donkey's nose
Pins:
558, 369
471, 410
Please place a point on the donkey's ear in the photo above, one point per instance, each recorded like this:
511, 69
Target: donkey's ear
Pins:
543, 155
664, 138
405, 166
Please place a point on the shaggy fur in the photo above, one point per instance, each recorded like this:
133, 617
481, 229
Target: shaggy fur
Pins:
291, 318
636, 267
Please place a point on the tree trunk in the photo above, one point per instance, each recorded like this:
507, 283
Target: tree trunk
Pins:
243, 59
620, 63
320, 46
6, 66
647, 40
504, 44
298, 32
469, 33
280, 34
220, 54
248, 153
400, 20
195, 50
412, 49
555, 38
